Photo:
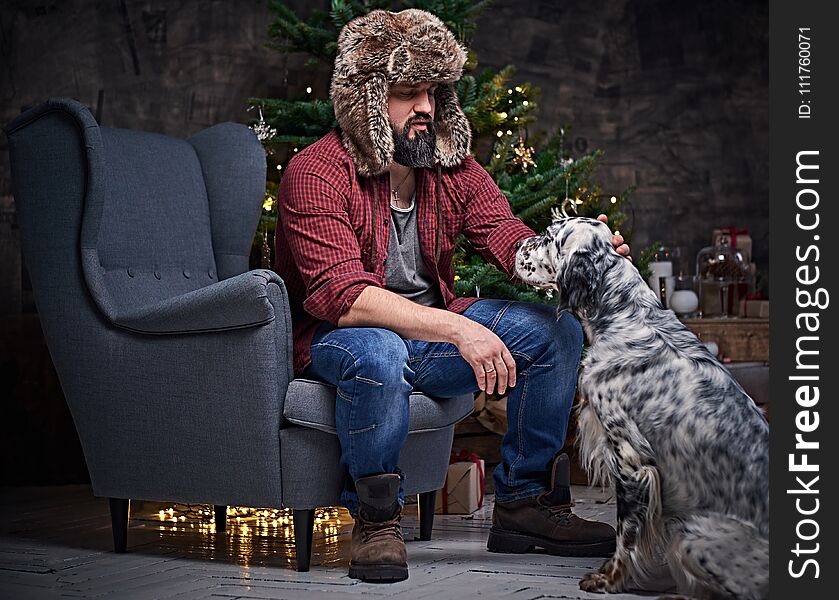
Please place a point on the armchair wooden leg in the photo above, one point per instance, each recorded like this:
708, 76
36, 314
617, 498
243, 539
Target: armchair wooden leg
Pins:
119, 523
221, 518
304, 526
426, 513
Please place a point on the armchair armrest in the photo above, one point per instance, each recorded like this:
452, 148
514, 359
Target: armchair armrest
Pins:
235, 303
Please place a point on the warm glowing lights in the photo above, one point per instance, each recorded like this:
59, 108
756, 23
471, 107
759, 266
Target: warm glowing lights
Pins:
271, 522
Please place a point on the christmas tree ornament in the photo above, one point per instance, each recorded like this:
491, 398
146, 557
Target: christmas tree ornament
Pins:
567, 208
262, 129
523, 155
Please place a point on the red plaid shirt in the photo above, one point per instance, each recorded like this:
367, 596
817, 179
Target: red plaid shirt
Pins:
323, 239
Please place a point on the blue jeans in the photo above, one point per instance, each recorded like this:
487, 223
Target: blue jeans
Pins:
375, 370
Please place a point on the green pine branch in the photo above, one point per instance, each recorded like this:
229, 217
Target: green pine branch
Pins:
298, 123
317, 36
492, 105
460, 16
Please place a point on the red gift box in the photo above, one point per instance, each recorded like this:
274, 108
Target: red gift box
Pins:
736, 238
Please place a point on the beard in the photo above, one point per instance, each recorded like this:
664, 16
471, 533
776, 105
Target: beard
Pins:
419, 151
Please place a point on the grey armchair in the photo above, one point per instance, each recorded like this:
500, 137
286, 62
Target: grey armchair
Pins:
175, 360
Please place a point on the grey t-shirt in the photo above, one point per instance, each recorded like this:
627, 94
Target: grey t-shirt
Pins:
405, 271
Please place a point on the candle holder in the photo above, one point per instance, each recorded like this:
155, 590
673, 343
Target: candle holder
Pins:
665, 262
685, 299
724, 278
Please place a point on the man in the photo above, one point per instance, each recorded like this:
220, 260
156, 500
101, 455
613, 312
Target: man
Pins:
368, 218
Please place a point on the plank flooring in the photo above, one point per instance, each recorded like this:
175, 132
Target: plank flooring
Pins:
55, 542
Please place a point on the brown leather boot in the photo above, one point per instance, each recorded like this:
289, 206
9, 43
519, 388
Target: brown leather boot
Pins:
546, 521
377, 551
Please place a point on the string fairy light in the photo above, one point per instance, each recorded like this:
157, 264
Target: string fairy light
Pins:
260, 522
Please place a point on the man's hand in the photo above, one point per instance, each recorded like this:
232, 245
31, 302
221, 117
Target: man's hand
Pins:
617, 240
487, 355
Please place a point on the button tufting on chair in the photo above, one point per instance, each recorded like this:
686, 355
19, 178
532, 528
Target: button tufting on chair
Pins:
131, 271
157, 274
187, 273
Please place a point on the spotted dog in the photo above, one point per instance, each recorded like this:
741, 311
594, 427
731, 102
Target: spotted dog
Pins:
661, 420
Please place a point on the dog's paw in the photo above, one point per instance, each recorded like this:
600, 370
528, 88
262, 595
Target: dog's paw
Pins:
595, 582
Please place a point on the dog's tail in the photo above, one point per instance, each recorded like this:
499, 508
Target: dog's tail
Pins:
720, 555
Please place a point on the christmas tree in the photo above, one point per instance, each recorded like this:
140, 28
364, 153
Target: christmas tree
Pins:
538, 175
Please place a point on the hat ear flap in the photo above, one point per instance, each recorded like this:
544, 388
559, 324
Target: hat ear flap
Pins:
454, 135
577, 282
365, 126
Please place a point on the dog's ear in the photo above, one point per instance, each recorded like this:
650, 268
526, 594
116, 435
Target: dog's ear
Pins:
577, 281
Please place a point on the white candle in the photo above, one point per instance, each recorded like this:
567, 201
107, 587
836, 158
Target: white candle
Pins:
661, 269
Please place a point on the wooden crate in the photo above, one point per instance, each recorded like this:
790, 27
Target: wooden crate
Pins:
738, 339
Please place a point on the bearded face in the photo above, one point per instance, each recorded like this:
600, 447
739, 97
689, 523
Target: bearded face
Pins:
414, 143
411, 112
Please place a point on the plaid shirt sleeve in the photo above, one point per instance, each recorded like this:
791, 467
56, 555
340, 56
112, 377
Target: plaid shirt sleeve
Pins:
312, 208
489, 224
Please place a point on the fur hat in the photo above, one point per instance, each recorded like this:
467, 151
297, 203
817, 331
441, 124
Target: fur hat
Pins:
378, 50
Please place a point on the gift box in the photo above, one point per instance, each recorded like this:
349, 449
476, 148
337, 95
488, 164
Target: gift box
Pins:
463, 492
734, 237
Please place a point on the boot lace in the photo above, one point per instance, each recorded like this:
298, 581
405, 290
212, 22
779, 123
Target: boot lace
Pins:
560, 513
381, 529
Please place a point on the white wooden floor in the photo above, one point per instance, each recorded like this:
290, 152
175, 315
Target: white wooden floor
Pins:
56, 542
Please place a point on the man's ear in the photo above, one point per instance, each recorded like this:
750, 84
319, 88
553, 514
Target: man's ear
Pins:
577, 281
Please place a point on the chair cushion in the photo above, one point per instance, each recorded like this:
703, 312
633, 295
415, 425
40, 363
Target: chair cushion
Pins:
311, 403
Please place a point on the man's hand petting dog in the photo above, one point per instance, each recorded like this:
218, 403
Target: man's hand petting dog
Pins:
494, 367
617, 240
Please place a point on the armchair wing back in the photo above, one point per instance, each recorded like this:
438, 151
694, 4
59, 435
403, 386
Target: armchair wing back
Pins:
175, 379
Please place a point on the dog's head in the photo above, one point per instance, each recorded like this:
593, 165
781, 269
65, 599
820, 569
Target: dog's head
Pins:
571, 258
